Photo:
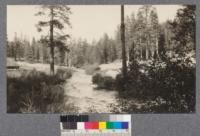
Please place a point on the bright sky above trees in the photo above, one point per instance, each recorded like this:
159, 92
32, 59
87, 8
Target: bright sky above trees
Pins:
88, 22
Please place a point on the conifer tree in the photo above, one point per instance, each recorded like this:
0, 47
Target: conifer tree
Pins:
58, 18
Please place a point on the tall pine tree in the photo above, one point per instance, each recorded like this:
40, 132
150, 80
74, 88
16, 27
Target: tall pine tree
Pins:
58, 17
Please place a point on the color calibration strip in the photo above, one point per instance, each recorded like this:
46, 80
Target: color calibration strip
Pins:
93, 125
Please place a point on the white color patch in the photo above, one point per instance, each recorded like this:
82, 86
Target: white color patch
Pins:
80, 125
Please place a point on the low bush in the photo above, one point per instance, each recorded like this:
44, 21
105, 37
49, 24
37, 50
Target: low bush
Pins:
103, 82
64, 73
36, 92
96, 78
173, 83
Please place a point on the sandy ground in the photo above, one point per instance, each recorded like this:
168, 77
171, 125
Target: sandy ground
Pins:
83, 94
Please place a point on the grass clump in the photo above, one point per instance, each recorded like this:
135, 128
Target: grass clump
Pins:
37, 92
103, 82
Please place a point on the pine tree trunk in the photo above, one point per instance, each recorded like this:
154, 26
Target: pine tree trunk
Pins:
15, 47
124, 66
15, 54
147, 51
140, 46
132, 52
38, 54
51, 44
156, 44
67, 59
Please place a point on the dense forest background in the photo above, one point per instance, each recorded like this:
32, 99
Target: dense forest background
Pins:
150, 39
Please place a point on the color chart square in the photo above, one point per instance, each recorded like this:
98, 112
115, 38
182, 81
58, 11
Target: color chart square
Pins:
117, 125
88, 125
73, 125
66, 125
109, 125
95, 125
126, 118
102, 125
124, 125
80, 125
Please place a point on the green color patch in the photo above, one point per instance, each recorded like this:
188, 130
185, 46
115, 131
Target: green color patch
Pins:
109, 125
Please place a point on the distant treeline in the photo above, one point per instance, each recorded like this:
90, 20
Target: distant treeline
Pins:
35, 51
144, 34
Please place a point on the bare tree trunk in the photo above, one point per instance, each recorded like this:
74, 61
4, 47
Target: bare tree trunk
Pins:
51, 44
156, 44
15, 47
147, 35
132, 54
67, 59
140, 47
15, 52
124, 66
38, 54
147, 50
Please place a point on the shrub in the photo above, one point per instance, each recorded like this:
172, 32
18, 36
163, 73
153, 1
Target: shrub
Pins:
107, 83
64, 73
96, 78
103, 82
175, 83
172, 81
135, 83
35, 92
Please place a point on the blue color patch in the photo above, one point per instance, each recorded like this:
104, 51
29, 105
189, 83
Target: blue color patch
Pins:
124, 125
117, 125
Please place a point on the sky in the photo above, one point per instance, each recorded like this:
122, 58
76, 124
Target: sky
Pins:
88, 22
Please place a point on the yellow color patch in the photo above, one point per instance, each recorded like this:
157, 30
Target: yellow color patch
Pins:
102, 125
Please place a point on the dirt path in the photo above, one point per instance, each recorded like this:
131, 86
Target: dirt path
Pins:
83, 94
